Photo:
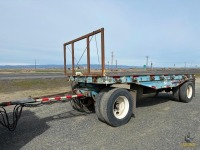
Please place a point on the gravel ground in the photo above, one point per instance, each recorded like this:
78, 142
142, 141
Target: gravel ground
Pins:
160, 124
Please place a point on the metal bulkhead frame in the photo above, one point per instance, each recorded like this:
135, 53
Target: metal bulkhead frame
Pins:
87, 37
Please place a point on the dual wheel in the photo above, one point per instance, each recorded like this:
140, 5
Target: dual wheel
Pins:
114, 106
185, 92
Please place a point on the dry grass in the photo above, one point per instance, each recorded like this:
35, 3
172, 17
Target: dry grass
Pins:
197, 75
8, 86
13, 71
18, 89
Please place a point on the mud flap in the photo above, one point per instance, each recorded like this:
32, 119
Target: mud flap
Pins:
134, 94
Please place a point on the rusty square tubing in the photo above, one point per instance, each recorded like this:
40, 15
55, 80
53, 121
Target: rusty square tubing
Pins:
88, 55
73, 72
88, 51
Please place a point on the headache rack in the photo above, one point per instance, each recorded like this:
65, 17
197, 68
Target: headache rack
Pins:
87, 37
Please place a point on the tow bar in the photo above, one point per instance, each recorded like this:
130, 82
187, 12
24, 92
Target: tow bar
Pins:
11, 123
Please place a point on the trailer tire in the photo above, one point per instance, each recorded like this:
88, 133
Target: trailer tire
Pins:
117, 106
186, 92
176, 93
97, 106
98, 103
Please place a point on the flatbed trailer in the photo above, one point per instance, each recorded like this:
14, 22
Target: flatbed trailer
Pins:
113, 105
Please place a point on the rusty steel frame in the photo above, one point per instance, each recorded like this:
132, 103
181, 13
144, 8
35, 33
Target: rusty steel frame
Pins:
87, 37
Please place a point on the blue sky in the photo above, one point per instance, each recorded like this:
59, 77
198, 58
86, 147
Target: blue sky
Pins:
168, 31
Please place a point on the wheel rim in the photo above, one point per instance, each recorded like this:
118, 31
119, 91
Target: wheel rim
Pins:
189, 91
121, 107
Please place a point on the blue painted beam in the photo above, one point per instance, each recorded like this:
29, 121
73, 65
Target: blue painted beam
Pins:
152, 81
